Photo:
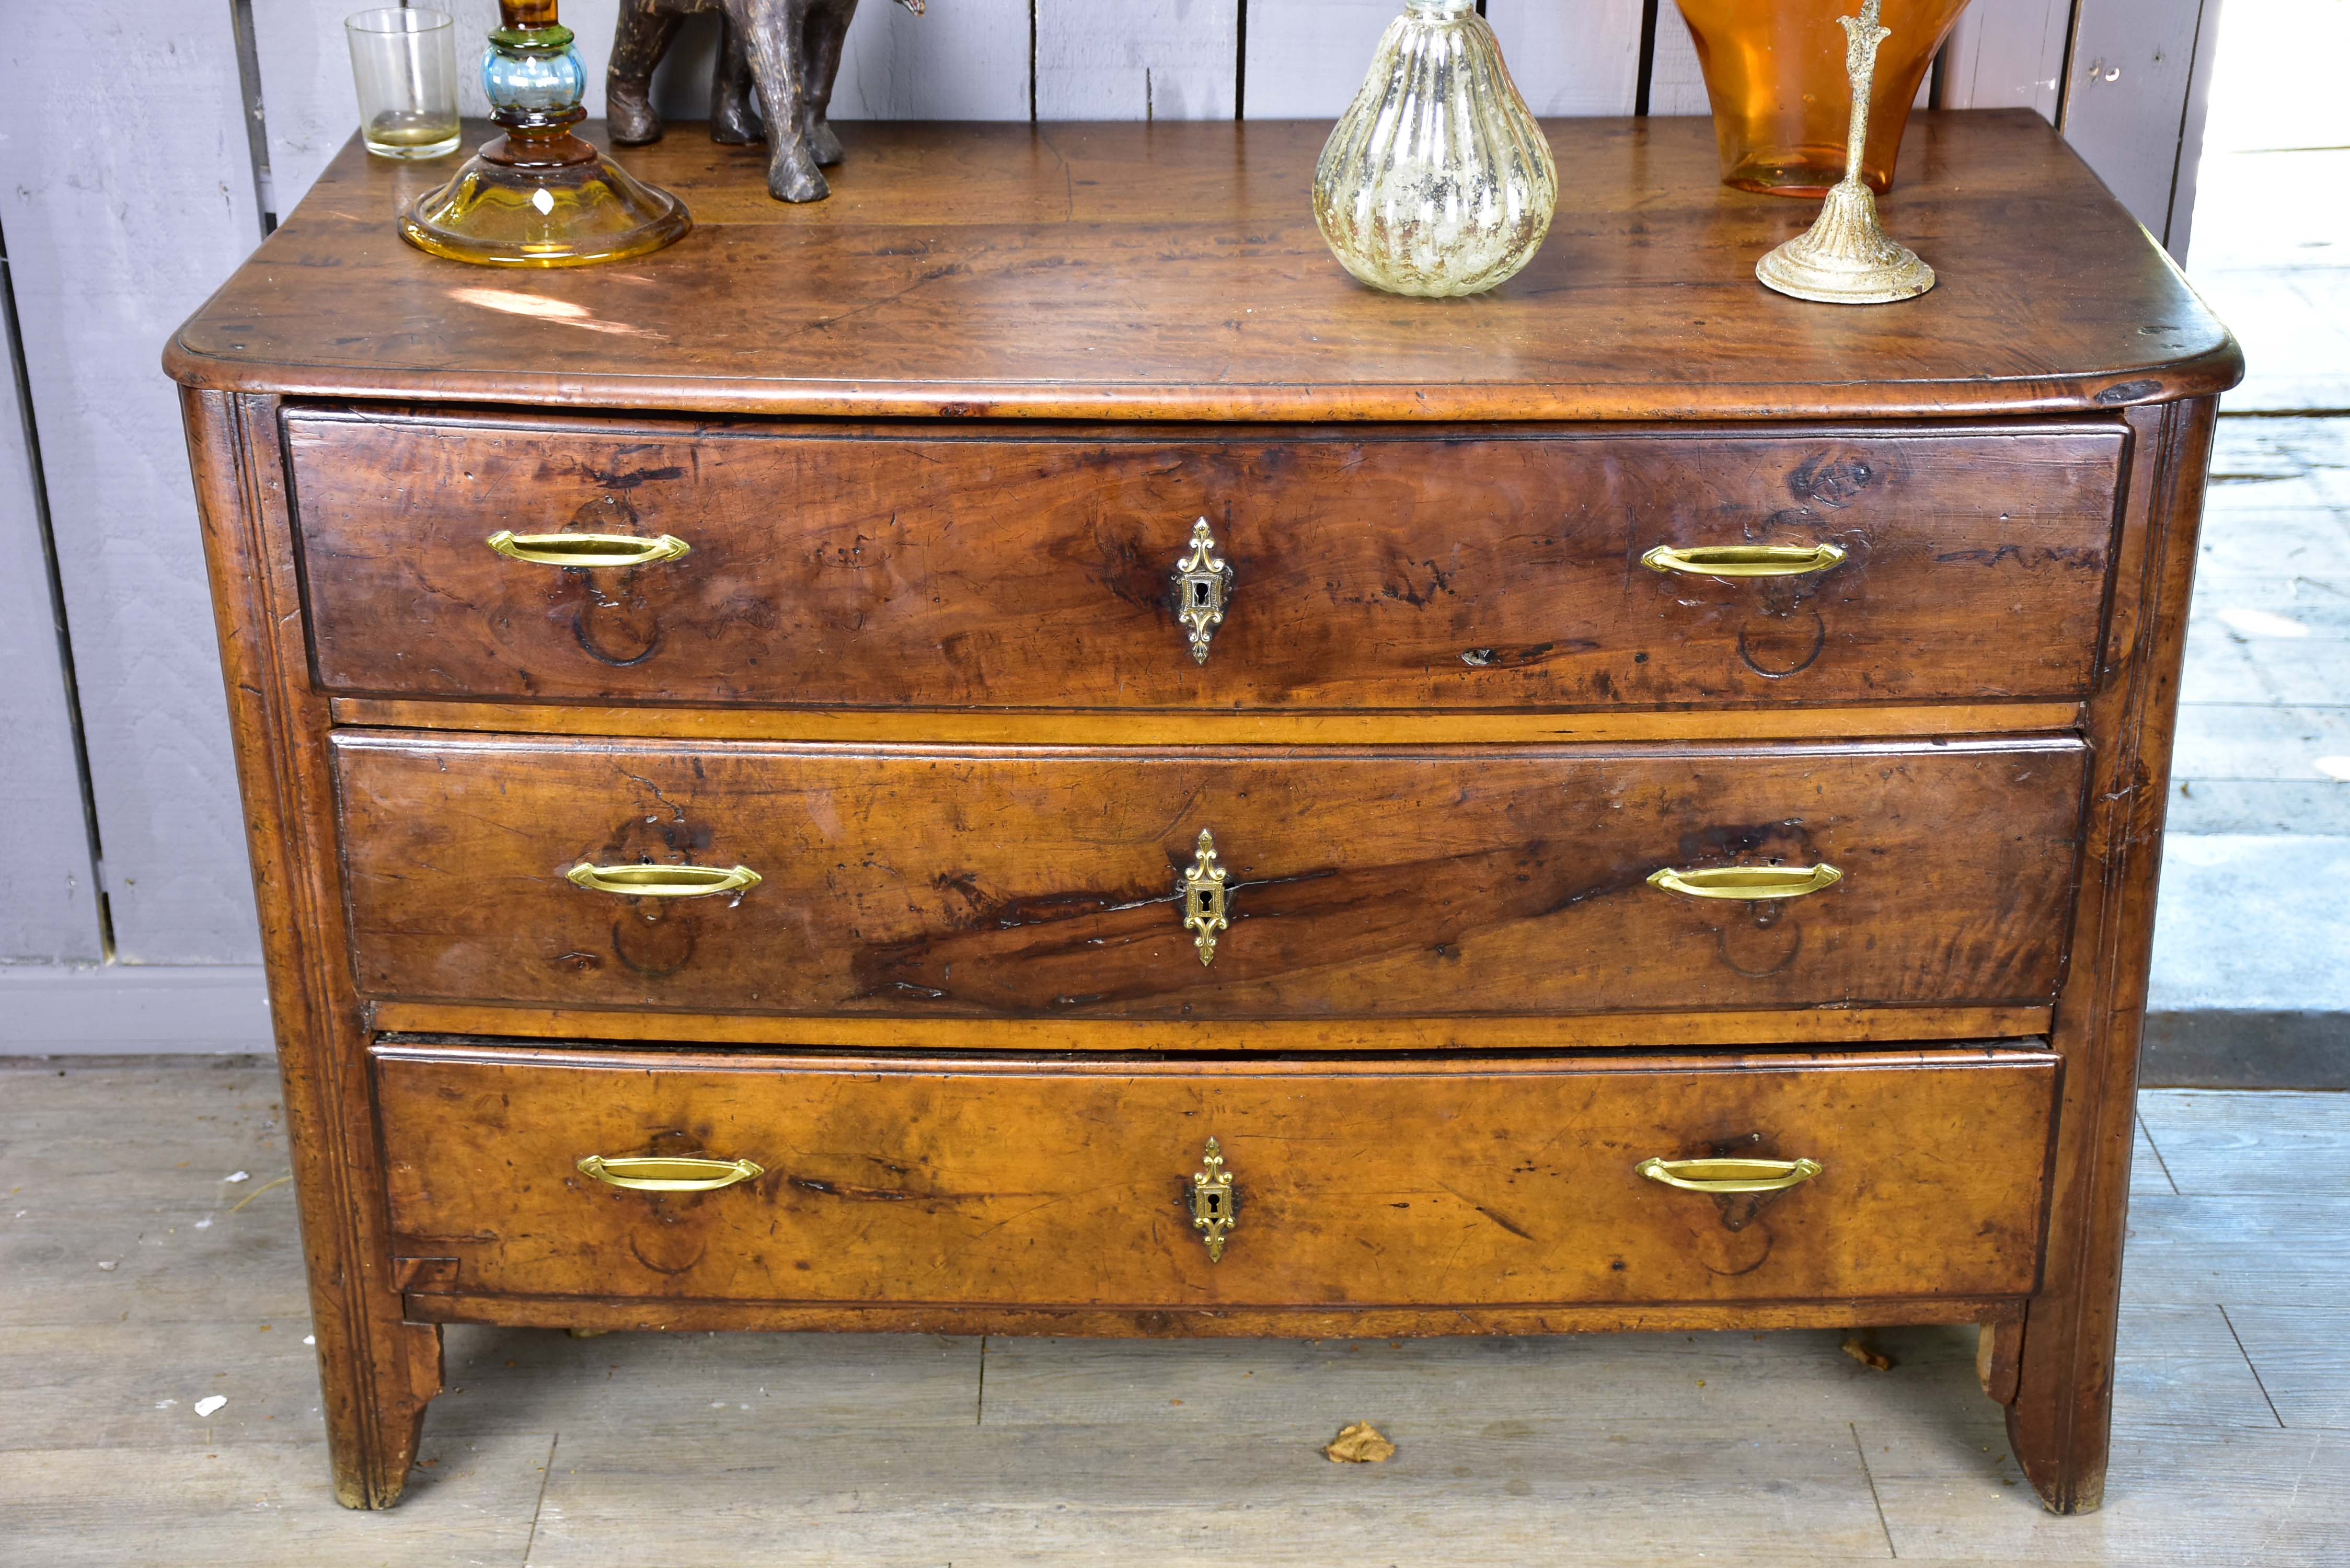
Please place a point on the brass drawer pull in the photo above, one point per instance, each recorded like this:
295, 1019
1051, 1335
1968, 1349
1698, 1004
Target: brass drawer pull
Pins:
1205, 906
1203, 586
663, 881
1212, 1202
1730, 1174
1747, 882
1745, 560
587, 549
662, 1173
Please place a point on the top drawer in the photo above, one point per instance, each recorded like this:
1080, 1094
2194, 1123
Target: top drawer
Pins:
1490, 571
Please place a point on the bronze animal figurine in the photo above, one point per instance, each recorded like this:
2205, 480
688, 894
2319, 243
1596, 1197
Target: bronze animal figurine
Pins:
788, 49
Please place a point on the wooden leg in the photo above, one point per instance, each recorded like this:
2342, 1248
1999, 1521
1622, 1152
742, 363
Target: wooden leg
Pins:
375, 1401
2060, 1426
2060, 1419
377, 1371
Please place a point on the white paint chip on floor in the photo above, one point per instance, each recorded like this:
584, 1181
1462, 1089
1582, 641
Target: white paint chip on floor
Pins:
210, 1403
2246, 622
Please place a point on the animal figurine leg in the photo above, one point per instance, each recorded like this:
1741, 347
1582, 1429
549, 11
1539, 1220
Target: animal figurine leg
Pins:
733, 94
774, 34
828, 27
644, 36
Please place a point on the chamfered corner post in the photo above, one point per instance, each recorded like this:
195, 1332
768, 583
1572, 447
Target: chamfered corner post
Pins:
376, 1370
2059, 1418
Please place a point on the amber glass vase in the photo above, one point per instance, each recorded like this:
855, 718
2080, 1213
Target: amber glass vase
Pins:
1775, 72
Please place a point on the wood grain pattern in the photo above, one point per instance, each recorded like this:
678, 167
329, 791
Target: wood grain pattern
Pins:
917, 882
1047, 1184
1000, 274
1460, 572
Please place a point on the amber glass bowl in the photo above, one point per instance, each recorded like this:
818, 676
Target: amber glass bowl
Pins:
1775, 72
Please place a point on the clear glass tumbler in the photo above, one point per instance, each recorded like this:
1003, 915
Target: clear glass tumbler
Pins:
404, 63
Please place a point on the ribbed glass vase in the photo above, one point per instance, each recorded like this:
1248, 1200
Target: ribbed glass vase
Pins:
1437, 181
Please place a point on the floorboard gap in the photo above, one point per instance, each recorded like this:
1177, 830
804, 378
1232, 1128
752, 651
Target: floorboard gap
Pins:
2257, 1381
554, 1439
1865, 1474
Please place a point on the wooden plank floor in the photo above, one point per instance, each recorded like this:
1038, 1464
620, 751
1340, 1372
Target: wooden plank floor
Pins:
138, 1276
2251, 957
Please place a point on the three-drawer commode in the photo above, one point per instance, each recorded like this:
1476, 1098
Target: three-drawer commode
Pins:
813, 828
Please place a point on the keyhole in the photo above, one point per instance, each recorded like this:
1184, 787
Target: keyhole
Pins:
1199, 593
1215, 1201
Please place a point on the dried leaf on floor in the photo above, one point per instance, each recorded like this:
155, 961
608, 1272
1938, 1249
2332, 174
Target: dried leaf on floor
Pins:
1857, 1345
1360, 1444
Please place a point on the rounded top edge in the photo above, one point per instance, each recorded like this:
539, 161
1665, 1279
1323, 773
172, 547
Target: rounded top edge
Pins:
398, 19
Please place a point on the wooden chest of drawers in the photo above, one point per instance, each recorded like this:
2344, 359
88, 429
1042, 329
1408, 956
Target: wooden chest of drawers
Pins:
995, 756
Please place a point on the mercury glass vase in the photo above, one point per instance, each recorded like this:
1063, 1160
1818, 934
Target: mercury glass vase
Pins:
1437, 181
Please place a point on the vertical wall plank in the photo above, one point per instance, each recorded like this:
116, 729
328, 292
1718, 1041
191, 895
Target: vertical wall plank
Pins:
129, 197
965, 59
1308, 58
50, 915
1137, 59
2182, 218
2126, 99
1676, 83
2008, 54
1577, 59
308, 106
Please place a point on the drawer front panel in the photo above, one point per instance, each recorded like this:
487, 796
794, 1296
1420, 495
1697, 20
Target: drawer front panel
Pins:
1360, 1184
1468, 573
1044, 883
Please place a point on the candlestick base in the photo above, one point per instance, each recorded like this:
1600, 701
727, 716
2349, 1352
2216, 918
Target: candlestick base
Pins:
1846, 258
544, 200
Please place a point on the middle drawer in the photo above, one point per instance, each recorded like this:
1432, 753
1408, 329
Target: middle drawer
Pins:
1036, 882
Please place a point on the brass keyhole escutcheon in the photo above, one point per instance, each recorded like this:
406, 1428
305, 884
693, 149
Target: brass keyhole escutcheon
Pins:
1213, 1202
1203, 586
1201, 888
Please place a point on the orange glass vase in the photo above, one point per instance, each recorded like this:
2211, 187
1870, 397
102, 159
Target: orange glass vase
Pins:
1774, 70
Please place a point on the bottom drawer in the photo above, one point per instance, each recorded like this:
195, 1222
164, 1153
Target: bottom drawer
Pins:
1039, 1183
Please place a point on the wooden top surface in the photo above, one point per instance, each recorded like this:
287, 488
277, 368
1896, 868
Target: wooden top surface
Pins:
1173, 271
